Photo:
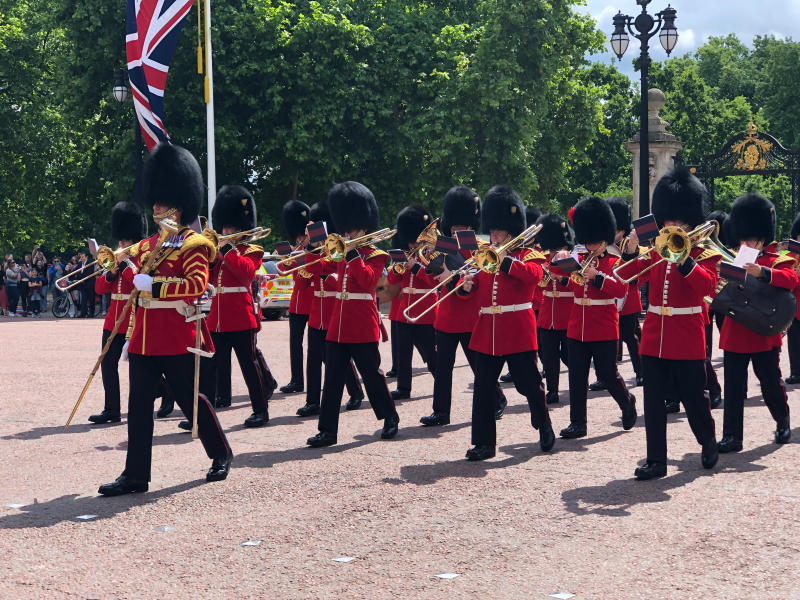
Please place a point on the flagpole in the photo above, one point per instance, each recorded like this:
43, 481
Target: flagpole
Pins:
209, 85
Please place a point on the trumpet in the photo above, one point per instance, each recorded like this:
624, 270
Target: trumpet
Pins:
106, 258
487, 259
546, 278
673, 245
578, 276
335, 247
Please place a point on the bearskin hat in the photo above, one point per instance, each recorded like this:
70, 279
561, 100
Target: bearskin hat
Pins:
532, 215
622, 212
503, 209
353, 208
128, 222
462, 206
720, 217
680, 196
410, 223
752, 216
319, 212
555, 232
795, 227
234, 207
594, 221
173, 178
295, 218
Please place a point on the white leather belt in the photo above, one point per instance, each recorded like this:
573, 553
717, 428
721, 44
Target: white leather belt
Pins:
349, 296
593, 302
507, 308
414, 291
323, 294
559, 294
231, 290
149, 303
668, 311
120, 296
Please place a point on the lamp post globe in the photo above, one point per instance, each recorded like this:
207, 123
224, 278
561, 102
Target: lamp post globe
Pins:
120, 89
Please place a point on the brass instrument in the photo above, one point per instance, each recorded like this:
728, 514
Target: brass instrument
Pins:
547, 277
335, 247
673, 245
427, 242
240, 237
398, 268
486, 258
106, 258
577, 276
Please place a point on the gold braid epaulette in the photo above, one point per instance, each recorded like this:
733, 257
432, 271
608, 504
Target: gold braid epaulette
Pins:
195, 240
782, 259
253, 249
533, 255
375, 253
707, 255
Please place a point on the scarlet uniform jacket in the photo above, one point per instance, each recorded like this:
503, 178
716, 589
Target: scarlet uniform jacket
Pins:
302, 293
233, 310
417, 282
325, 287
120, 287
181, 278
394, 308
499, 333
632, 304
676, 336
594, 316
538, 291
457, 313
355, 318
777, 270
557, 302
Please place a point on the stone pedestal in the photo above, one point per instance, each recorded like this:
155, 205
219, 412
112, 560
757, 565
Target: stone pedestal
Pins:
663, 146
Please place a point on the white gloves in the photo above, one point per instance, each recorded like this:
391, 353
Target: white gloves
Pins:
125, 350
143, 283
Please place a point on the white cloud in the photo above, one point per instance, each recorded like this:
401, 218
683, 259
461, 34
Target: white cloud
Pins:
686, 42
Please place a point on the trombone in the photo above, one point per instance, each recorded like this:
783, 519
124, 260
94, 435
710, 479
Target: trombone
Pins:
106, 257
486, 259
578, 276
673, 245
335, 247
425, 252
240, 237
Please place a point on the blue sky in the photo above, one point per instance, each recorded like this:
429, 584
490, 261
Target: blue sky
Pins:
699, 19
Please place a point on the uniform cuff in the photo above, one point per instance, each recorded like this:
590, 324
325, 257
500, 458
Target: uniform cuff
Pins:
416, 268
598, 281
124, 265
626, 257
225, 249
352, 255
766, 275
505, 266
156, 291
686, 268
563, 281
110, 276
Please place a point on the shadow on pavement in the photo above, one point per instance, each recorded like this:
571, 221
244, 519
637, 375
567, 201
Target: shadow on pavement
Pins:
615, 498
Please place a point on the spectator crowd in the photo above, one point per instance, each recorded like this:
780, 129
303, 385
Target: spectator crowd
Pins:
29, 287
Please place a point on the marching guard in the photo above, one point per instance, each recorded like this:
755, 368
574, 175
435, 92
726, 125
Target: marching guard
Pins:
160, 333
752, 224
354, 329
673, 336
506, 328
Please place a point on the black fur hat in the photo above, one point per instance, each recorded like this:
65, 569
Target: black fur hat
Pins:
234, 207
173, 178
319, 212
410, 223
594, 221
795, 227
353, 208
462, 206
128, 222
532, 215
555, 233
295, 218
622, 213
752, 216
680, 196
503, 209
720, 217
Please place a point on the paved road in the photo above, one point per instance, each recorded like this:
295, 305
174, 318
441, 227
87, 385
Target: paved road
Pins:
521, 526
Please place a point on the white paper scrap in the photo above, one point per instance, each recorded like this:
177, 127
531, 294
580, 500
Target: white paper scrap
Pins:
165, 528
86, 517
14, 505
251, 543
345, 559
447, 575
562, 595
745, 255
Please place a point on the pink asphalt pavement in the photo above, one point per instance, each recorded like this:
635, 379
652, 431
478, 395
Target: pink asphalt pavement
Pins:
521, 526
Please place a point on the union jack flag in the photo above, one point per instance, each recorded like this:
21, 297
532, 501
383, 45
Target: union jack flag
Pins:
152, 29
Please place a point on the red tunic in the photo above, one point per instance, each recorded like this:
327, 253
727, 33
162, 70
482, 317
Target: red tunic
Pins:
355, 318
161, 330
120, 287
557, 304
393, 279
232, 275
594, 316
457, 313
735, 337
414, 286
302, 294
501, 330
676, 336
633, 301
325, 288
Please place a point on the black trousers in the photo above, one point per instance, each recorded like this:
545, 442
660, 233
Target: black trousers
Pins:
214, 369
393, 335
690, 378
314, 361
793, 343
629, 333
552, 348
446, 346
145, 373
527, 381
88, 300
766, 366
604, 354
297, 329
408, 336
110, 370
367, 358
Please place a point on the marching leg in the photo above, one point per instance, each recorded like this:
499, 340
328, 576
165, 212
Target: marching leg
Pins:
145, 372
110, 370
793, 343
405, 355
297, 329
735, 364
314, 361
337, 357
354, 389
580, 357
657, 371
244, 345
446, 346
606, 365
484, 425
221, 393
528, 382
690, 382
767, 368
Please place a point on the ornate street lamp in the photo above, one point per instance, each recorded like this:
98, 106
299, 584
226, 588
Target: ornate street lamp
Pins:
120, 95
647, 27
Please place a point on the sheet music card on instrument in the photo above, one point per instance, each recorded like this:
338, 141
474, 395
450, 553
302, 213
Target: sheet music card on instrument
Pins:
732, 272
397, 255
283, 248
569, 264
446, 244
317, 232
467, 240
93, 246
793, 246
646, 228
746, 256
